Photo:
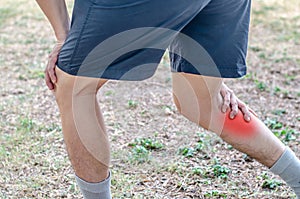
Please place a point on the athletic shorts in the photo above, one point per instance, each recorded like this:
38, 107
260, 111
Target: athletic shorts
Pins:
126, 39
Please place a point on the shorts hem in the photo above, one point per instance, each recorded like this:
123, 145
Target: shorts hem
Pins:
224, 72
109, 75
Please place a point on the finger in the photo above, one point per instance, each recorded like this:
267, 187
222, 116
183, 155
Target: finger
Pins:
234, 107
245, 111
253, 112
226, 101
223, 92
48, 81
51, 69
227, 89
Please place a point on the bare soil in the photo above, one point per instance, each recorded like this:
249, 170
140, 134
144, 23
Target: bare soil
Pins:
33, 160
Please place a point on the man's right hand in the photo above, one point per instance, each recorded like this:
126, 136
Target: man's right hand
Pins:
50, 76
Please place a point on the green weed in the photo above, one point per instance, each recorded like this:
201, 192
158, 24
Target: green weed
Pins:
215, 193
248, 76
261, 85
255, 48
132, 104
200, 145
262, 55
273, 124
203, 142
286, 134
271, 184
277, 89
141, 149
268, 183
53, 127
36, 74
109, 93
229, 147
139, 154
187, 151
147, 143
197, 171
26, 124
220, 171
279, 112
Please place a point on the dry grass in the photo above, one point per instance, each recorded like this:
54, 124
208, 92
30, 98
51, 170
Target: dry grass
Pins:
192, 163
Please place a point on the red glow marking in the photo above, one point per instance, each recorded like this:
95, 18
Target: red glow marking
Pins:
239, 126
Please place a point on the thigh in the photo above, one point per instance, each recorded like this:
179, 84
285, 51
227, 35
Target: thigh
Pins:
221, 29
98, 45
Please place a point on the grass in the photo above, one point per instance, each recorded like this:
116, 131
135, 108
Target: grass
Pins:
273, 124
139, 154
261, 85
286, 135
269, 183
166, 156
215, 194
279, 112
6, 13
147, 143
132, 104
141, 149
187, 151
220, 171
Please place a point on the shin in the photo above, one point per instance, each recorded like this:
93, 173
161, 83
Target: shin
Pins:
82, 125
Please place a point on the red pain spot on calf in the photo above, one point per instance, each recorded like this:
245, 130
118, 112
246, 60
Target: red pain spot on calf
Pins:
239, 126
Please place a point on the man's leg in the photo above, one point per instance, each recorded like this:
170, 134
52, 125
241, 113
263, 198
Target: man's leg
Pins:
199, 99
84, 133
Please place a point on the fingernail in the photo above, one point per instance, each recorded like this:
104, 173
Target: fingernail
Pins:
223, 109
248, 118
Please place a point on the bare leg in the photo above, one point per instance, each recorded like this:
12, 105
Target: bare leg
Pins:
82, 125
198, 98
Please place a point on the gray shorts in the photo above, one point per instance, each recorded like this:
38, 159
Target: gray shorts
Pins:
126, 39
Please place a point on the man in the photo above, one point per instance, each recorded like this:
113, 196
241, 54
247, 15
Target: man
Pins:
124, 40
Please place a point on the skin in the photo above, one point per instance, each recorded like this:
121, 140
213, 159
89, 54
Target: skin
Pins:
57, 14
82, 125
200, 99
207, 101
239, 127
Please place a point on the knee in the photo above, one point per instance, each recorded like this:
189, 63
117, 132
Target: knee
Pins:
196, 97
69, 87
197, 109
63, 88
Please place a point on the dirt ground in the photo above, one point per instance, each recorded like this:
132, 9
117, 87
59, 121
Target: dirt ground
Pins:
156, 153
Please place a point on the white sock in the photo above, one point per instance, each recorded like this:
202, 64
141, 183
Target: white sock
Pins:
99, 190
288, 168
